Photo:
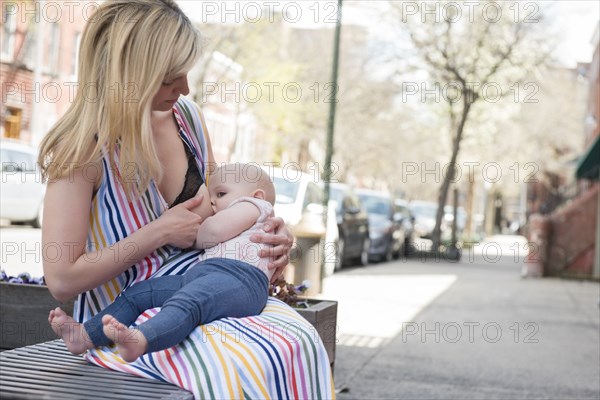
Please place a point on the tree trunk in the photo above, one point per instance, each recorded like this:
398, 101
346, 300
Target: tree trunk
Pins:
470, 194
449, 177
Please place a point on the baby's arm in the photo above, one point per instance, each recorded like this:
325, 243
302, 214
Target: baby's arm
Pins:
226, 224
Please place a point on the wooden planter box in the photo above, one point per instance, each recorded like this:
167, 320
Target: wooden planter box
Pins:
322, 314
24, 314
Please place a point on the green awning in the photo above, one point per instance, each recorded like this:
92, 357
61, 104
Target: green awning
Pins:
589, 165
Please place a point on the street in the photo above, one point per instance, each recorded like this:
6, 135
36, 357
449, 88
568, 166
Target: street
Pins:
20, 249
474, 329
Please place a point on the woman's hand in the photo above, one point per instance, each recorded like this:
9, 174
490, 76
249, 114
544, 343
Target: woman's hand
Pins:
180, 224
281, 239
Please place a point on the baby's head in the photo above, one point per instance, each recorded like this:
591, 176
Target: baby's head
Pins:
229, 182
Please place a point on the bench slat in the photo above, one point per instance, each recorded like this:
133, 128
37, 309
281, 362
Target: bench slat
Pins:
26, 356
9, 372
90, 374
49, 371
42, 357
83, 372
28, 394
113, 391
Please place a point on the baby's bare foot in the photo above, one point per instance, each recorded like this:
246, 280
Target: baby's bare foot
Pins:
72, 333
130, 342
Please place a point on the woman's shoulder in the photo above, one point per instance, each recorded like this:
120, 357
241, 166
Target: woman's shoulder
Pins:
192, 121
190, 114
188, 105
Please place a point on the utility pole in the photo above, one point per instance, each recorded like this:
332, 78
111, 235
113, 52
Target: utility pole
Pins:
331, 122
333, 102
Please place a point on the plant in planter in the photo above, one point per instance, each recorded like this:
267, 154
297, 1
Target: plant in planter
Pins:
24, 306
322, 314
289, 293
23, 277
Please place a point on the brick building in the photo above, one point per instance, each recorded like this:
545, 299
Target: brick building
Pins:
38, 82
588, 168
568, 239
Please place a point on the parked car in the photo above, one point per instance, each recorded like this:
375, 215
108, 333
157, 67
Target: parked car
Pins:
461, 220
408, 223
385, 225
299, 201
425, 213
353, 226
21, 188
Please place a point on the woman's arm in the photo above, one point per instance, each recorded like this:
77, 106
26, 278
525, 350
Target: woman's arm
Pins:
69, 269
226, 224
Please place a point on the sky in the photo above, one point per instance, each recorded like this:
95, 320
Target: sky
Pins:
577, 19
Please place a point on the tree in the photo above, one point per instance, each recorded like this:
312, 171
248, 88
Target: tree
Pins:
468, 58
278, 53
274, 85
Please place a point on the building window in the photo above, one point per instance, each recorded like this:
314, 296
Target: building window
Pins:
9, 26
53, 50
12, 123
75, 54
29, 48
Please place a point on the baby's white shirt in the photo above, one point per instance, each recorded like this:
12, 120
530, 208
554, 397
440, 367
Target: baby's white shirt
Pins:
240, 247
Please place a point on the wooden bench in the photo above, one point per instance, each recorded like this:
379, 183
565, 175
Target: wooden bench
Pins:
48, 371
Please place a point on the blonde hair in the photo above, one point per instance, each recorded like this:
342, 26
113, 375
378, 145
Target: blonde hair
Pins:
128, 48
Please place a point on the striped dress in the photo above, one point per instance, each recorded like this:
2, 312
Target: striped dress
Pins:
276, 354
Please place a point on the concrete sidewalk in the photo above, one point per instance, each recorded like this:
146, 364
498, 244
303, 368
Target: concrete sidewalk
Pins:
474, 329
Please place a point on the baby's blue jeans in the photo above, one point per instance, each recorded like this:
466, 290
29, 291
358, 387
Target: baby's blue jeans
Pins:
213, 289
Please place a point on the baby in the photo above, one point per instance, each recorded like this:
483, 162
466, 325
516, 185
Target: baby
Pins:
231, 280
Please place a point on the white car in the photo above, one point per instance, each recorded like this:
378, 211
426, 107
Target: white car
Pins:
299, 202
21, 187
424, 212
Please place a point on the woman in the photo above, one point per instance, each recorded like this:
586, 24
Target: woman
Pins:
123, 166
